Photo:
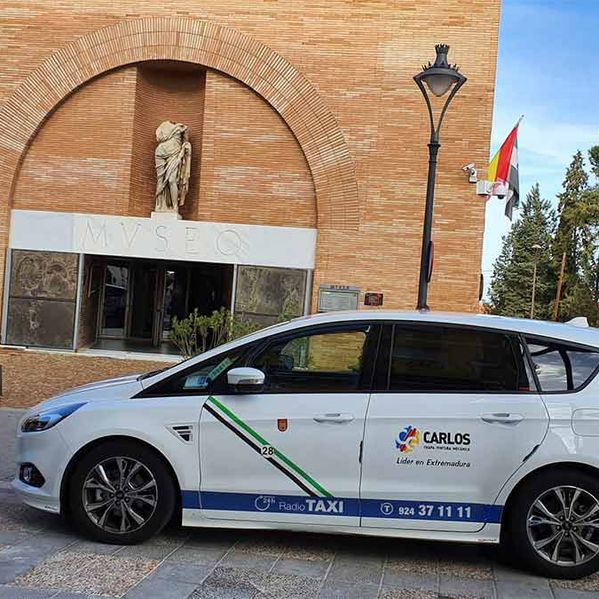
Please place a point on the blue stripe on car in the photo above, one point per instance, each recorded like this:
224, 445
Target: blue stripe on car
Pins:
340, 506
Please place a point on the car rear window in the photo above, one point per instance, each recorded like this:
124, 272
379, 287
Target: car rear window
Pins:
562, 367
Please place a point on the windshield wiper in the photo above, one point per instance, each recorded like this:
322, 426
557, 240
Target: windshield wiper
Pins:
147, 375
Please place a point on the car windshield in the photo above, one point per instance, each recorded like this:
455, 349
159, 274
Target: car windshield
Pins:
152, 373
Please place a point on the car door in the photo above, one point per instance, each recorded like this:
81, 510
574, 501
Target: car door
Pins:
291, 452
454, 413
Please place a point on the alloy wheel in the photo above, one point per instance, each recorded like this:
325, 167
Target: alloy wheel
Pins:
119, 495
563, 526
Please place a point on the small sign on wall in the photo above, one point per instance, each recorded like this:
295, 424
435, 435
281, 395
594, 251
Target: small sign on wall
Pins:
373, 299
332, 298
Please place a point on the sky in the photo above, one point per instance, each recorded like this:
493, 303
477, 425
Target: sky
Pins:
547, 70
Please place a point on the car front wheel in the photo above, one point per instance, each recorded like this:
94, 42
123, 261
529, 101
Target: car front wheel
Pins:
121, 492
553, 524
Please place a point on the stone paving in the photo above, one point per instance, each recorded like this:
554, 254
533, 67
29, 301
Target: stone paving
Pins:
8, 423
42, 558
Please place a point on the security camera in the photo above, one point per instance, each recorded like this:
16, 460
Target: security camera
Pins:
500, 190
471, 171
491, 189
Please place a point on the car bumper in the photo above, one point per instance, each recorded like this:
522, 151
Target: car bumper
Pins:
37, 498
50, 454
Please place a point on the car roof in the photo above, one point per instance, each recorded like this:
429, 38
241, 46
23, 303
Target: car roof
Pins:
539, 328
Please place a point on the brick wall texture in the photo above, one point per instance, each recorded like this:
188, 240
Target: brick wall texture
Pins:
79, 161
164, 91
253, 169
302, 114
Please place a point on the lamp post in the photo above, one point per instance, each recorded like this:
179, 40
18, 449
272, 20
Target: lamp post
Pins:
536, 248
439, 77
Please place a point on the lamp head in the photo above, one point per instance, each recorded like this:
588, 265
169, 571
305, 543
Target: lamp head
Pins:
440, 76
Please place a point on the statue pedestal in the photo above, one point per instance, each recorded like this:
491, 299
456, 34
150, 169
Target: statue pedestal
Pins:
165, 215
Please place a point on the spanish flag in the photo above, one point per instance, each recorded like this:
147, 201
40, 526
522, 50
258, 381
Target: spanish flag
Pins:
503, 169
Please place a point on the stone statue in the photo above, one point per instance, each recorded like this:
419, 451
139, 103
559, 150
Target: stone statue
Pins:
173, 166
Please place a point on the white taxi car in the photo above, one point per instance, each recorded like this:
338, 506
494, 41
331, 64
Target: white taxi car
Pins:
423, 425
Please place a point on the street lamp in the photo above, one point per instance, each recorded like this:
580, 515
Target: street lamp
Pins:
536, 248
439, 78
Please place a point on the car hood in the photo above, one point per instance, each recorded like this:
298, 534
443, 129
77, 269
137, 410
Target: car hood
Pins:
123, 387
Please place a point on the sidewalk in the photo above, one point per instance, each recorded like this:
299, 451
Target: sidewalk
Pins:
42, 558
9, 417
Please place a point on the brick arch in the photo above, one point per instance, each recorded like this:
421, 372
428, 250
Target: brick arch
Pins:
200, 42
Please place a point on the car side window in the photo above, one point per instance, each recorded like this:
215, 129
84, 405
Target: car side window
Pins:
197, 379
561, 367
325, 362
440, 359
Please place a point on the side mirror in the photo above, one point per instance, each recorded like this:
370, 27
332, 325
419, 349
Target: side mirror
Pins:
246, 380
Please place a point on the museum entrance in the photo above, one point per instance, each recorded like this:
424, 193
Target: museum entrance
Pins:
138, 299
80, 302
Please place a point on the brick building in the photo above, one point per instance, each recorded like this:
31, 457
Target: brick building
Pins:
308, 172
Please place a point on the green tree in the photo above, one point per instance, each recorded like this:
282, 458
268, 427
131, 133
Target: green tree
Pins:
594, 160
567, 238
577, 238
529, 241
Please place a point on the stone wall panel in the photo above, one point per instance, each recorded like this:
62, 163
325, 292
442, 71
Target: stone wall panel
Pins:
42, 296
40, 323
50, 275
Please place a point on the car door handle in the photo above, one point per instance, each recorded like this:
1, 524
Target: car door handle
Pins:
334, 418
502, 418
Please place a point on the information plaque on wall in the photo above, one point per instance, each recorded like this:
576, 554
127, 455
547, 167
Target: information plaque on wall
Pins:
373, 299
332, 298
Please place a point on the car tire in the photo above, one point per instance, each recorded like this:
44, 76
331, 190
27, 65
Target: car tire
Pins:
121, 492
553, 505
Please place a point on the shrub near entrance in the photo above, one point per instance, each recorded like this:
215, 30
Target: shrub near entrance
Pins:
200, 332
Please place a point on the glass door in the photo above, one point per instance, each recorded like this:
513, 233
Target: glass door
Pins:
143, 301
116, 300
176, 284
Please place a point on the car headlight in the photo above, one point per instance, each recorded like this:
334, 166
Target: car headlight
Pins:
46, 419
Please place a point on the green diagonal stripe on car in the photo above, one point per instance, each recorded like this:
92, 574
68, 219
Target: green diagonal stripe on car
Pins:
238, 420
302, 473
250, 431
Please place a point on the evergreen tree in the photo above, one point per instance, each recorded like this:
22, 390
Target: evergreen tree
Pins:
590, 240
567, 238
528, 241
594, 160
577, 238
